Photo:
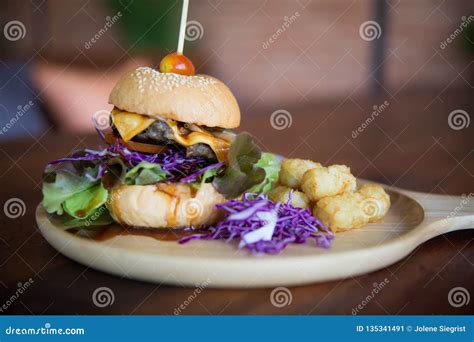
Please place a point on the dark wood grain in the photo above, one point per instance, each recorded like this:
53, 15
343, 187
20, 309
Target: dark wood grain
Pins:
409, 145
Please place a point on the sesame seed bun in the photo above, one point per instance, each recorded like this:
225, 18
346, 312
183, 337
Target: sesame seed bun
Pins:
165, 205
200, 99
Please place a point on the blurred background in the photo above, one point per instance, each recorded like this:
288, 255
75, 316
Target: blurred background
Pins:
384, 86
321, 71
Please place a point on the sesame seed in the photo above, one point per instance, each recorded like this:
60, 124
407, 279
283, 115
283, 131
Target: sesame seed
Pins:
151, 79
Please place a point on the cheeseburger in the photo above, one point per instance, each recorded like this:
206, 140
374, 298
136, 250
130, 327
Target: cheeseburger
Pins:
171, 157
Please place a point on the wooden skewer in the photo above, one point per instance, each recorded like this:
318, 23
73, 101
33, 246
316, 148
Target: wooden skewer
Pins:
182, 27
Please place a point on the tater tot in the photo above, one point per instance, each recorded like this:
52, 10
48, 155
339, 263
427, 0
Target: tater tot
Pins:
327, 181
292, 171
341, 212
282, 194
376, 203
352, 210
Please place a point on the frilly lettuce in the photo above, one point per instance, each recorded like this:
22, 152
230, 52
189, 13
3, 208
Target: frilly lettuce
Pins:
241, 172
271, 164
248, 169
74, 190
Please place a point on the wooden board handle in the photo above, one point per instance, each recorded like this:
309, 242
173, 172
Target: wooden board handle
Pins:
444, 213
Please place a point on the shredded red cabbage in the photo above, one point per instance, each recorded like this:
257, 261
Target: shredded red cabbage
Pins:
87, 155
264, 226
173, 161
193, 176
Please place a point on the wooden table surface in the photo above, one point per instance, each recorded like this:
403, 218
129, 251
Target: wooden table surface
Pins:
409, 145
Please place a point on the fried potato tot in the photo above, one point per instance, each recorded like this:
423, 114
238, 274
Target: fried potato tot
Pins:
341, 212
353, 210
376, 203
327, 181
282, 194
292, 171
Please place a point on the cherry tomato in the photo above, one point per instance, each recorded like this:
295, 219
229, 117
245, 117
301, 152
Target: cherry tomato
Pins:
178, 64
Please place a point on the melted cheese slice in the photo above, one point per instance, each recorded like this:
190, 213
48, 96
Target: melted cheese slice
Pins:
219, 146
130, 124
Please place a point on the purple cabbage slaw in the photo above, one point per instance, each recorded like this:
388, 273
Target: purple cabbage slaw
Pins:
195, 175
253, 215
173, 161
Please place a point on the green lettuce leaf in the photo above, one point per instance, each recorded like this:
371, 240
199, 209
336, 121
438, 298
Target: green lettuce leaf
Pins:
98, 217
84, 203
115, 172
208, 175
271, 164
145, 173
74, 191
63, 182
241, 172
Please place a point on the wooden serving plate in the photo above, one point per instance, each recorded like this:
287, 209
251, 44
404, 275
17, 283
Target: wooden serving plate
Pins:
413, 218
